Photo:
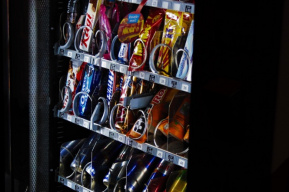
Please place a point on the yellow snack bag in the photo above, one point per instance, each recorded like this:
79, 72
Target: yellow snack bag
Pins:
172, 29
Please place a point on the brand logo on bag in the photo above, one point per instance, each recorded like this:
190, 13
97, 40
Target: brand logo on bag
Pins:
133, 18
86, 31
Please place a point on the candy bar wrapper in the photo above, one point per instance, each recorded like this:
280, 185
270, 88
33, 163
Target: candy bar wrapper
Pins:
151, 25
90, 23
124, 53
74, 75
121, 111
114, 84
105, 27
185, 68
90, 84
172, 30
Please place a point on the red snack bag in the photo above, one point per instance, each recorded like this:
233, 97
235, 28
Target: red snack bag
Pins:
131, 25
152, 24
74, 75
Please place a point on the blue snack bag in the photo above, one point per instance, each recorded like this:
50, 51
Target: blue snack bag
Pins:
89, 84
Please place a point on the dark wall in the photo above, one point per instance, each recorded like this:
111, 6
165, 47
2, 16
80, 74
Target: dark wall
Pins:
236, 58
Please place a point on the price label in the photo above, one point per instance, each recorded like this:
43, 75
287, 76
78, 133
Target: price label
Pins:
181, 162
135, 1
142, 75
154, 3
121, 138
160, 154
139, 146
165, 5
69, 117
104, 64
185, 87
69, 184
86, 124
177, 6
122, 69
69, 54
86, 59
162, 81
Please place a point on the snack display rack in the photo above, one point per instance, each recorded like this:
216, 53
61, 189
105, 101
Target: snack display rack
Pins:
166, 81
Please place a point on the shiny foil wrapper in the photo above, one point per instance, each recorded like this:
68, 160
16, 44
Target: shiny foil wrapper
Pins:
139, 170
158, 179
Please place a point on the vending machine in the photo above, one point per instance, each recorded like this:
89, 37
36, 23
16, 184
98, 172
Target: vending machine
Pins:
138, 95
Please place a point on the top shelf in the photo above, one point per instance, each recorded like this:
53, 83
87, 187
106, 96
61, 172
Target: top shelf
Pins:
173, 5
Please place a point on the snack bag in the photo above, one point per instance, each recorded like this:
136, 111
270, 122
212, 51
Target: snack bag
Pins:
90, 84
153, 22
155, 112
131, 25
74, 75
172, 30
121, 111
91, 19
124, 53
185, 66
105, 27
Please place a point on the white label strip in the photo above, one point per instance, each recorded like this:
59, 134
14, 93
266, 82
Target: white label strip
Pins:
69, 54
69, 117
139, 146
86, 124
181, 162
122, 69
69, 184
162, 81
121, 138
86, 59
185, 87
176, 6
104, 64
165, 5
160, 154
154, 3
142, 75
